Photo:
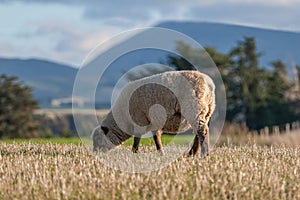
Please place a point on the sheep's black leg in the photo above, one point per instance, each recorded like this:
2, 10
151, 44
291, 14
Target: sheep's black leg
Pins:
196, 146
157, 140
201, 140
136, 142
205, 145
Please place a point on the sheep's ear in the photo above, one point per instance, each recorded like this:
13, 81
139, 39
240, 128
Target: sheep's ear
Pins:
105, 129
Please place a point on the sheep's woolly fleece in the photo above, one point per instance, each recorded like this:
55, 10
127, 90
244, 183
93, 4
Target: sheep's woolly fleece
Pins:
171, 101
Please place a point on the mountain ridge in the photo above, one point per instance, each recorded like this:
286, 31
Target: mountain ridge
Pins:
208, 35
49, 80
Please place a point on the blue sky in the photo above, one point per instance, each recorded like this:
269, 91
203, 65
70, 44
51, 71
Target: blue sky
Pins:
66, 30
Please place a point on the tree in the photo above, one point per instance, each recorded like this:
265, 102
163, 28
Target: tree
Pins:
279, 82
224, 64
16, 109
260, 92
248, 94
180, 63
279, 69
145, 71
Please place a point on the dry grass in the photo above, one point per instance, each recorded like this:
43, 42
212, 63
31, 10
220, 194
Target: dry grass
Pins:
236, 135
48, 171
291, 139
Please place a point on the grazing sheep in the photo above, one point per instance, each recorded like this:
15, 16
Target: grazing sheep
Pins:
170, 102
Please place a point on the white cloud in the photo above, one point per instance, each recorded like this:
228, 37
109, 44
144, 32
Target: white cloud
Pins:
91, 39
56, 40
265, 3
149, 3
72, 44
7, 49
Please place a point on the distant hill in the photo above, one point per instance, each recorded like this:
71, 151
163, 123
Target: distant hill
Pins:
273, 44
49, 80
54, 81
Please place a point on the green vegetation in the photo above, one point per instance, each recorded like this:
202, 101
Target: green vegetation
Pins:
16, 109
166, 139
56, 140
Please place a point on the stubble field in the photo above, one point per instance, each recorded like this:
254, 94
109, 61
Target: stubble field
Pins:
66, 171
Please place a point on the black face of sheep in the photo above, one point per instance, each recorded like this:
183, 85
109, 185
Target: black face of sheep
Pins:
100, 139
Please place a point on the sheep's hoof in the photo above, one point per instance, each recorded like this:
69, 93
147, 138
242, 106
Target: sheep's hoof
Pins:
192, 153
205, 155
134, 150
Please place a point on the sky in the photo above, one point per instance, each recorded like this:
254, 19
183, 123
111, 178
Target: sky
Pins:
65, 31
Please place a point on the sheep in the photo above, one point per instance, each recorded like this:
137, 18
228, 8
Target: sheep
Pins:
171, 102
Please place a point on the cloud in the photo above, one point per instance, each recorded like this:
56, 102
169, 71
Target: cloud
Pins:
7, 49
56, 40
153, 2
55, 26
85, 41
133, 4
282, 14
145, 10
266, 3
72, 44
136, 13
250, 14
94, 21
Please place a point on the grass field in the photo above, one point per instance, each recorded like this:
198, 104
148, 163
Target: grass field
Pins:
58, 140
69, 171
166, 139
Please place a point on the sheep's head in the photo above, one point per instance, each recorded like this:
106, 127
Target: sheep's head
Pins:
100, 140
